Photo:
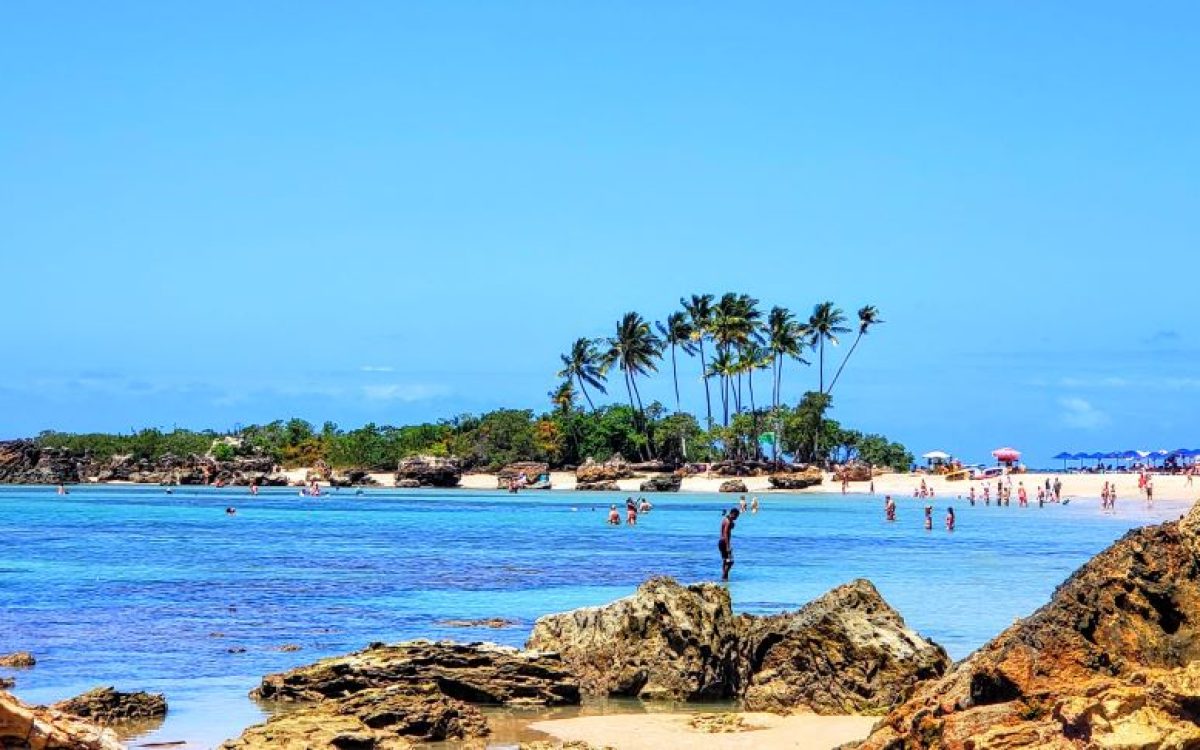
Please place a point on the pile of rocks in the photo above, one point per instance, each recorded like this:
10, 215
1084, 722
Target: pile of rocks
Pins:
428, 471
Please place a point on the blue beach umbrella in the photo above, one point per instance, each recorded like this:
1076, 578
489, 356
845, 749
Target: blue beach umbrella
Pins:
1064, 457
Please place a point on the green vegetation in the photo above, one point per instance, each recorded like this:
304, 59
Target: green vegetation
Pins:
732, 329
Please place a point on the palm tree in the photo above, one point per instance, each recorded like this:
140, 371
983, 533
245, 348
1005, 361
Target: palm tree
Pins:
867, 316
734, 326
723, 367
563, 397
699, 311
825, 325
785, 338
634, 349
677, 332
586, 366
753, 357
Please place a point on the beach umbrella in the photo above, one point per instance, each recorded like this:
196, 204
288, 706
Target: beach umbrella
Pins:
942, 455
1006, 454
1064, 457
1130, 455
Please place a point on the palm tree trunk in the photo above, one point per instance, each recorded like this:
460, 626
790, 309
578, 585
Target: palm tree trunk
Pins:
583, 388
649, 454
704, 377
841, 367
675, 375
821, 386
753, 411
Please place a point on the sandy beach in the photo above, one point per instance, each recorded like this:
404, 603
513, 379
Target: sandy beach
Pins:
655, 731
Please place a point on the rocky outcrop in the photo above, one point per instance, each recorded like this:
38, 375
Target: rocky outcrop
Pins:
1112, 661
530, 469
476, 673
392, 718
598, 486
733, 485
105, 705
318, 472
666, 641
853, 472
24, 727
847, 652
429, 471
668, 483
740, 468
353, 478
18, 660
25, 462
796, 480
611, 470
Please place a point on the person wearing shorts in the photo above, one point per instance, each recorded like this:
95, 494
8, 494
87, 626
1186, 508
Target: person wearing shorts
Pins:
725, 543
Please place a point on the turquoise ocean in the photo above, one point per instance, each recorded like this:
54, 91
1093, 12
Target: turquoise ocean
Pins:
132, 587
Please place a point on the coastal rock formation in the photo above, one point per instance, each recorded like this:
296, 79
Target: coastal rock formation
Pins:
24, 727
318, 472
531, 469
666, 641
733, 485
853, 472
105, 705
847, 652
476, 673
18, 660
796, 480
24, 462
392, 718
429, 471
611, 470
7, 683
1112, 661
353, 478
668, 483
599, 486
740, 468
495, 623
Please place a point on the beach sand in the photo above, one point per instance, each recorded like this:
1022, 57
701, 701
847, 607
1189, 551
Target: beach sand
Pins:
656, 731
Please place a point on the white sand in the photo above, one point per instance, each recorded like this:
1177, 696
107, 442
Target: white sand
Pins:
659, 731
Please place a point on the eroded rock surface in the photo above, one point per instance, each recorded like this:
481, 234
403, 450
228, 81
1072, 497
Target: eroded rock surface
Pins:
796, 480
18, 660
847, 652
733, 485
667, 483
476, 673
105, 705
24, 727
1112, 661
607, 486
609, 471
429, 471
530, 469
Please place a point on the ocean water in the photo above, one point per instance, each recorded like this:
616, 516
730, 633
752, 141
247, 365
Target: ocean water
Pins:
131, 587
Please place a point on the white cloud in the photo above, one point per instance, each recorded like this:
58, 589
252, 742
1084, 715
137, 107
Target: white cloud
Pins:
1080, 413
404, 391
377, 368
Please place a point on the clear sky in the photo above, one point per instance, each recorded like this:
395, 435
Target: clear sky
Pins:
221, 213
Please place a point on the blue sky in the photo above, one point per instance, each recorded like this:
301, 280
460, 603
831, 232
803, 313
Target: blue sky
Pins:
221, 213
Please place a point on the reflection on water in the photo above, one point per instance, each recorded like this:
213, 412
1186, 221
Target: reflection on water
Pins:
130, 587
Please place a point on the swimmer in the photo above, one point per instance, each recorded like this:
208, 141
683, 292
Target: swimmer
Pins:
644, 506
949, 519
231, 511
630, 513
254, 490
929, 518
614, 518
742, 504
62, 489
754, 504
889, 508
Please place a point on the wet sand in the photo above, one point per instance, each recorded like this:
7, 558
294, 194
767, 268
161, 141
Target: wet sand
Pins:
657, 731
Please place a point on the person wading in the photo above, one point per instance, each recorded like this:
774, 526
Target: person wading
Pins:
725, 544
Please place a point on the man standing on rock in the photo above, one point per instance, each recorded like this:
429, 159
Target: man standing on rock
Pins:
725, 545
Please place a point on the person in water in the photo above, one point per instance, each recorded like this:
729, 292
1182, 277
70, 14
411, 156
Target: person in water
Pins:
725, 543
929, 518
614, 517
889, 508
742, 503
231, 511
754, 504
950, 519
644, 506
630, 512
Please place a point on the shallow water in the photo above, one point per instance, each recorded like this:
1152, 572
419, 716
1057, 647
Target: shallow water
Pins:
132, 587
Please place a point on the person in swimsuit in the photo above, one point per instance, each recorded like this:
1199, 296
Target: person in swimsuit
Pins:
949, 519
754, 504
929, 518
889, 508
630, 513
614, 517
725, 543
742, 503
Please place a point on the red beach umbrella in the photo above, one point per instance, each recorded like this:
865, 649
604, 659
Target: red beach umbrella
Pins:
1007, 454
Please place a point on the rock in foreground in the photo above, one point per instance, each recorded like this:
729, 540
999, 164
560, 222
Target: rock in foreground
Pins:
18, 660
24, 727
665, 641
475, 673
105, 705
373, 719
1112, 661
847, 652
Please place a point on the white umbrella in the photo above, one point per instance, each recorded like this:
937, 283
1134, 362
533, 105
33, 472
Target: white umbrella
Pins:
936, 455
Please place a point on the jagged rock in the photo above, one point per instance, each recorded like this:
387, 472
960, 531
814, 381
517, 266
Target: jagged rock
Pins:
290, 648
495, 623
18, 660
354, 478
733, 485
739, 468
477, 673
651, 467
392, 718
531, 469
429, 471
797, 480
7, 683
611, 470
408, 484
854, 472
318, 472
847, 652
25, 462
598, 486
667, 483
1112, 661
105, 705
24, 727
666, 641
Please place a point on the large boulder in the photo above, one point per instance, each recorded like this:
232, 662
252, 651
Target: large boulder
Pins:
476, 673
1112, 661
429, 471
666, 641
598, 486
105, 705
530, 469
24, 727
853, 472
733, 485
25, 462
18, 660
668, 483
392, 718
796, 480
847, 652
611, 470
